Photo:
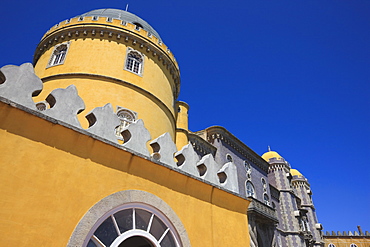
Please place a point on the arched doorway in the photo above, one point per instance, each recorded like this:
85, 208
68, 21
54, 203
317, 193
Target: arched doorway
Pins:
136, 241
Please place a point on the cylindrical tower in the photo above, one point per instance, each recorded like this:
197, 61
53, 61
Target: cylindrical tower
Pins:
112, 56
182, 126
309, 220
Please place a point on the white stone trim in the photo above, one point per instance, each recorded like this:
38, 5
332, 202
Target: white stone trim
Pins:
52, 56
141, 68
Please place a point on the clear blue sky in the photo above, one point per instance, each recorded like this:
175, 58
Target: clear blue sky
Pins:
291, 74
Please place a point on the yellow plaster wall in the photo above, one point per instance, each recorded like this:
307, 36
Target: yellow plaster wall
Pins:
182, 115
51, 175
104, 56
182, 128
157, 118
181, 138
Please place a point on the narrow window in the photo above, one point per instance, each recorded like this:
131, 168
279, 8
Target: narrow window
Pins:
59, 55
250, 189
137, 25
134, 62
229, 158
266, 199
247, 165
263, 181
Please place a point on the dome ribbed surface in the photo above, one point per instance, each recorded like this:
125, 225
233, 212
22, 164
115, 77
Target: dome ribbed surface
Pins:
271, 154
123, 16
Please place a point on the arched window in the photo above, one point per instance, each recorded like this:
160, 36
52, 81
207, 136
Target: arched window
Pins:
353, 245
134, 225
250, 189
229, 158
126, 117
134, 62
266, 199
59, 55
263, 181
247, 165
331, 245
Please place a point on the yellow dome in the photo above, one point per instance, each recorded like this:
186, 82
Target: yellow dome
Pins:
295, 172
271, 154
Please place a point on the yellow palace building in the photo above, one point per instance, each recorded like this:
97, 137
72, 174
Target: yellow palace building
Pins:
102, 177
96, 152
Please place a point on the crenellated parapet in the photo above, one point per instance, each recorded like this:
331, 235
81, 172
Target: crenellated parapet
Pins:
19, 83
346, 233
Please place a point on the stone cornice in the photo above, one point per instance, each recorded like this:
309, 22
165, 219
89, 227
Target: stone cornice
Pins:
262, 209
218, 132
200, 145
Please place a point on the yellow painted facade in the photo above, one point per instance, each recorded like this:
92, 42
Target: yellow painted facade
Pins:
52, 175
346, 241
95, 64
182, 128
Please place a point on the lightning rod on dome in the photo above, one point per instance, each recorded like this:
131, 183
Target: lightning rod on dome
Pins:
126, 7
268, 148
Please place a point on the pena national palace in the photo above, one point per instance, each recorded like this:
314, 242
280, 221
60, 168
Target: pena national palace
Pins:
96, 152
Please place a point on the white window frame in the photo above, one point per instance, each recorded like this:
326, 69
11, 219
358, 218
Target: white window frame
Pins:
247, 165
267, 202
229, 158
134, 232
247, 191
58, 58
135, 62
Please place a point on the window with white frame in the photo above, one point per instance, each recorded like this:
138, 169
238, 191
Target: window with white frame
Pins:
353, 245
229, 158
134, 61
133, 225
266, 199
250, 189
247, 165
59, 54
331, 245
263, 181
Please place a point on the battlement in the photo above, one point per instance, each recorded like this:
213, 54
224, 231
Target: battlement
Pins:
113, 27
346, 233
18, 84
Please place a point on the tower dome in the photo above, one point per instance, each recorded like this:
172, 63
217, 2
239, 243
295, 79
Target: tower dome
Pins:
271, 155
123, 16
295, 172
112, 56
